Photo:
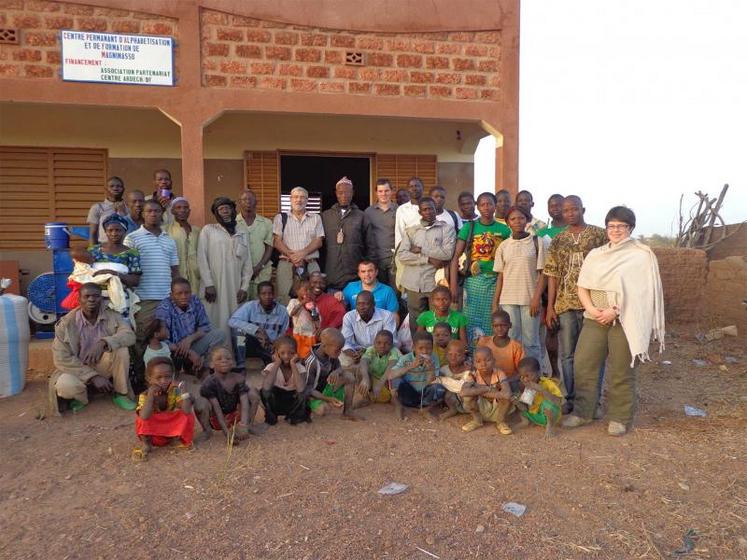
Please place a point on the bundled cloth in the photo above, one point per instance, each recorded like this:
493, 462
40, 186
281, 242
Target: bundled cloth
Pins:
629, 274
120, 299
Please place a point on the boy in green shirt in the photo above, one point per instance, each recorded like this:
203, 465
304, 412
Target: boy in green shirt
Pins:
374, 363
441, 312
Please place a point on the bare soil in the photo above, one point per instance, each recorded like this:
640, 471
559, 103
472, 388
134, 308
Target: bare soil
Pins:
68, 487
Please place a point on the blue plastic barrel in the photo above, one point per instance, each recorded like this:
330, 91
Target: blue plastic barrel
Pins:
56, 235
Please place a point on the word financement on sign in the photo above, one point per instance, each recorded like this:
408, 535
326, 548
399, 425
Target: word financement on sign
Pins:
115, 58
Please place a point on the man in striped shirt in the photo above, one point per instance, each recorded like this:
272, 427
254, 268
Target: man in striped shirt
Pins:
160, 264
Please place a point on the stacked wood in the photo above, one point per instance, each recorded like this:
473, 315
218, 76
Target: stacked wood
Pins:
696, 232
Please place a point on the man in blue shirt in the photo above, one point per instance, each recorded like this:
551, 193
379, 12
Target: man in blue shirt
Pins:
260, 321
188, 325
384, 295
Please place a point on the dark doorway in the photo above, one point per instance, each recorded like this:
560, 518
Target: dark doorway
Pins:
319, 174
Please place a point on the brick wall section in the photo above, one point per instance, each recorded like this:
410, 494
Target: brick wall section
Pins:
683, 277
240, 52
39, 22
724, 292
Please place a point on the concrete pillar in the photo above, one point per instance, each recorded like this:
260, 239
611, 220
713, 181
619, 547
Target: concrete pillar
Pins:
193, 169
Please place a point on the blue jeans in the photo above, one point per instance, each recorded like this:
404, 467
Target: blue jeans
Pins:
525, 329
570, 329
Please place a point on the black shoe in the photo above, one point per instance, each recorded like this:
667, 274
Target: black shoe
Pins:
567, 407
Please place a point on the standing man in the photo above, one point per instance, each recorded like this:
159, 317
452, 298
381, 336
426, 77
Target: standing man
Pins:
379, 222
408, 214
163, 193
225, 263
159, 262
343, 236
298, 236
90, 350
260, 239
113, 202
425, 248
502, 204
438, 194
557, 223
466, 203
135, 204
525, 200
384, 296
185, 235
403, 197
562, 266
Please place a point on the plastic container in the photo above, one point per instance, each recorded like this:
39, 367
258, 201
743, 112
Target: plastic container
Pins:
56, 235
14, 344
527, 397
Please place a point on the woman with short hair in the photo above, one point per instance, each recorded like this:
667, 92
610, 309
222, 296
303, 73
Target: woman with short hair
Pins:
620, 288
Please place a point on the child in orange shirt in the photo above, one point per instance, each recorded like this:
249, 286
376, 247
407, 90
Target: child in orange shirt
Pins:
507, 353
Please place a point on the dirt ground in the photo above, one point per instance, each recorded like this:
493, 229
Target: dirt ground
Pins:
68, 488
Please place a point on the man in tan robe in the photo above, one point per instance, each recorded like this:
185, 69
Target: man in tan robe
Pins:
186, 236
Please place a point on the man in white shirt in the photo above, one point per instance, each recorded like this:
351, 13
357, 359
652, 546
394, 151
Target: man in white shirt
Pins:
449, 217
408, 214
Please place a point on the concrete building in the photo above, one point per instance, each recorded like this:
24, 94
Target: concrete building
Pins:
267, 93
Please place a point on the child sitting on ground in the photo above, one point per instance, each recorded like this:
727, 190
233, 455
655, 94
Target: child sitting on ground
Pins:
156, 333
163, 414
412, 375
305, 317
544, 409
441, 338
374, 363
453, 376
328, 384
232, 402
486, 394
507, 353
283, 385
441, 312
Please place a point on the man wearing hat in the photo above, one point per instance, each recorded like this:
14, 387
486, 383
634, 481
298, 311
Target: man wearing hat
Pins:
343, 237
225, 264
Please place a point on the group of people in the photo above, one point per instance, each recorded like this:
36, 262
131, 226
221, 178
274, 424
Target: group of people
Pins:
482, 311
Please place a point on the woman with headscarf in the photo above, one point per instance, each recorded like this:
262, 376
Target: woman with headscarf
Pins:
225, 264
620, 288
110, 257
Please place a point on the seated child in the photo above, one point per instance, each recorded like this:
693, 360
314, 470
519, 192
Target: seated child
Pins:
441, 338
486, 394
232, 401
507, 353
441, 312
156, 333
163, 414
412, 375
453, 376
305, 318
283, 385
328, 384
374, 363
545, 407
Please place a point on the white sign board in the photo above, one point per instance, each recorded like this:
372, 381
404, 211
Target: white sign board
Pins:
111, 58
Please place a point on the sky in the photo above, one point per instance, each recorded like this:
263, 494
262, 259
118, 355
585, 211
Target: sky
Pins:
632, 102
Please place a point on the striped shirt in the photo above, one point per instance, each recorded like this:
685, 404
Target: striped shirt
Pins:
299, 233
157, 256
251, 317
183, 322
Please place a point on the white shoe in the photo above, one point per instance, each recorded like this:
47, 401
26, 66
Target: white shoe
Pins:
574, 421
616, 429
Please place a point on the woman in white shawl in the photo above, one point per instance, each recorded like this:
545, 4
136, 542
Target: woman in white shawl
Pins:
620, 289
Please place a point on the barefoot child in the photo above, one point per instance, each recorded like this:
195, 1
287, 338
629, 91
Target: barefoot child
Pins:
453, 376
374, 363
487, 394
507, 353
441, 312
163, 414
305, 318
412, 375
544, 409
328, 384
232, 402
156, 334
441, 338
284, 383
